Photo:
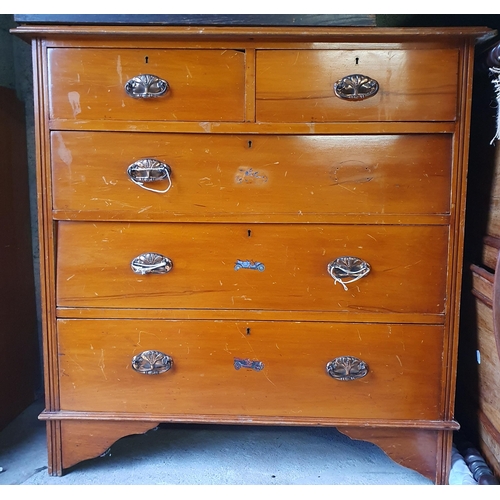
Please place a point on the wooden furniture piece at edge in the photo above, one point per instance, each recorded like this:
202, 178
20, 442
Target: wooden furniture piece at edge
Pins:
478, 376
424, 445
18, 334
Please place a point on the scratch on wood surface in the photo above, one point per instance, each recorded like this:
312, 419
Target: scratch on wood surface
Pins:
119, 69
76, 363
206, 126
74, 101
414, 264
269, 379
63, 152
101, 364
113, 183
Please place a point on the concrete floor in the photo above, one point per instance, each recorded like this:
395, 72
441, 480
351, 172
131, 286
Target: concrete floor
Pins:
206, 455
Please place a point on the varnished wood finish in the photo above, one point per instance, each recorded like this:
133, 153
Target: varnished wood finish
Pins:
314, 207
94, 267
489, 252
297, 85
480, 365
482, 284
489, 442
416, 449
83, 440
260, 35
489, 366
205, 85
96, 373
232, 175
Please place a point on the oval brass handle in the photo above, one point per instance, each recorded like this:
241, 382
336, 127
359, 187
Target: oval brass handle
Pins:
347, 368
149, 170
152, 362
355, 87
151, 263
146, 86
353, 268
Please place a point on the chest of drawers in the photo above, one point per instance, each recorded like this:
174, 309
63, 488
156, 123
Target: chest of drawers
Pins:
255, 226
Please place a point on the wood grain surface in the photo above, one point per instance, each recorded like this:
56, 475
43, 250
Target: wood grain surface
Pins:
297, 85
218, 174
94, 266
96, 372
205, 85
257, 140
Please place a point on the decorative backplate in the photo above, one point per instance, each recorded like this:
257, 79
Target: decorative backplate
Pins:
152, 362
148, 170
151, 263
346, 368
146, 86
248, 363
249, 264
355, 87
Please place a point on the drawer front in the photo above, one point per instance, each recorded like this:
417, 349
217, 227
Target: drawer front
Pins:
259, 175
240, 266
89, 84
298, 85
255, 368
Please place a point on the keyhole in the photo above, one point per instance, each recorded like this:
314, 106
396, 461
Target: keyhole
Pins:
357, 60
248, 331
249, 233
147, 58
249, 144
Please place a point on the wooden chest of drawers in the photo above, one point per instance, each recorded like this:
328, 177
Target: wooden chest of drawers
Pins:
258, 226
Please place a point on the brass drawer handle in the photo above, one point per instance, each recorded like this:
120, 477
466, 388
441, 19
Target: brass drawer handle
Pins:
346, 368
348, 267
151, 263
355, 87
152, 362
146, 86
149, 170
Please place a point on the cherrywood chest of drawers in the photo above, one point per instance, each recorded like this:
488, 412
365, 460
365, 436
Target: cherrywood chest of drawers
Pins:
255, 226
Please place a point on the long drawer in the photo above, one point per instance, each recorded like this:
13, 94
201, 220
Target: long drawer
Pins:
224, 175
91, 84
299, 85
251, 368
252, 266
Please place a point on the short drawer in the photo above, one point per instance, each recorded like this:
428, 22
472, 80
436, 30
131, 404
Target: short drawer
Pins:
240, 266
251, 368
225, 175
407, 85
90, 84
